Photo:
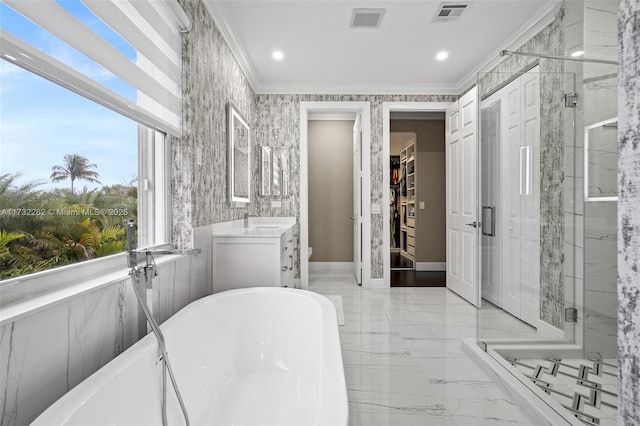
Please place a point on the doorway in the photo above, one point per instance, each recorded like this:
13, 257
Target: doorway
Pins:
361, 225
419, 235
417, 193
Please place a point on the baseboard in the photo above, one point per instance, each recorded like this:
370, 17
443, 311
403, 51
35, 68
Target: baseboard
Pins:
330, 266
431, 266
541, 408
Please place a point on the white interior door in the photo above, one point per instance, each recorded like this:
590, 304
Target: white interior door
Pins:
530, 223
462, 221
357, 199
521, 196
512, 189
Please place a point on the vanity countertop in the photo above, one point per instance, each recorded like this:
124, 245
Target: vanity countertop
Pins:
259, 227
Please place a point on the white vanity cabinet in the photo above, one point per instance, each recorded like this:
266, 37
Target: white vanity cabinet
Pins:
262, 255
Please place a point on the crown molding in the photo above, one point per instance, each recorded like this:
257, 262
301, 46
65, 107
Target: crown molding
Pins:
532, 27
529, 29
215, 11
327, 89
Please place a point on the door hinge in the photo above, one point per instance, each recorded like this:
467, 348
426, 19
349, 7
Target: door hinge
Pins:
571, 315
570, 100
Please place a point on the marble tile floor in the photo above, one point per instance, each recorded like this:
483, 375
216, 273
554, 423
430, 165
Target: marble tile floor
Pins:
404, 362
588, 388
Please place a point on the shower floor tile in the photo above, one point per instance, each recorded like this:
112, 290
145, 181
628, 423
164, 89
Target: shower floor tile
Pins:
588, 388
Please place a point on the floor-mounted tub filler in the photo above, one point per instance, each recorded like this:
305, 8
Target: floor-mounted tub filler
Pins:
255, 356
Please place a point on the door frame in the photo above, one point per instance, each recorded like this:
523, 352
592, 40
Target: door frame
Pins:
363, 108
387, 108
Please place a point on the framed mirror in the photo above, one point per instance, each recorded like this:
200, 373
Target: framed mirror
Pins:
274, 166
239, 151
265, 170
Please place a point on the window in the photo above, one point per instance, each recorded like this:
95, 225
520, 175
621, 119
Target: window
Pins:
85, 109
69, 176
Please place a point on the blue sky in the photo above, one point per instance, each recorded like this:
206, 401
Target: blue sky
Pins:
40, 121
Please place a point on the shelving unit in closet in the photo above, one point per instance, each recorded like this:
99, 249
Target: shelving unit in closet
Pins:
408, 202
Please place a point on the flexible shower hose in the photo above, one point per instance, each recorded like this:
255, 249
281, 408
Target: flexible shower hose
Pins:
166, 365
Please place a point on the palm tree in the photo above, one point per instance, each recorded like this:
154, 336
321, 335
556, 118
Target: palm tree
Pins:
75, 167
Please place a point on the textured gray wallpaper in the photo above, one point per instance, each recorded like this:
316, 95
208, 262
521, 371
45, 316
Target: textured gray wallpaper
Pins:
278, 124
211, 78
629, 214
552, 233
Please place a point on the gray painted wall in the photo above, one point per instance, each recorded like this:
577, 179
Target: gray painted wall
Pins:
629, 214
331, 190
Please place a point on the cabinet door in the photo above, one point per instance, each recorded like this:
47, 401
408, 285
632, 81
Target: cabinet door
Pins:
287, 259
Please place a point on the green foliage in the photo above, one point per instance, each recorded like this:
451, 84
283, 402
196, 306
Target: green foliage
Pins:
41, 230
75, 167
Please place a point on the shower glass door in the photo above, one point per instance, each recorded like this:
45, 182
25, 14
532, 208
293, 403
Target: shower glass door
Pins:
528, 169
548, 209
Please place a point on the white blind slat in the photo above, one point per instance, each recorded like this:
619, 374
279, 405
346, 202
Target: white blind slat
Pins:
30, 58
56, 20
159, 19
127, 22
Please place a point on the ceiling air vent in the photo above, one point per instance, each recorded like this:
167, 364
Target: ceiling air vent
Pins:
366, 18
450, 11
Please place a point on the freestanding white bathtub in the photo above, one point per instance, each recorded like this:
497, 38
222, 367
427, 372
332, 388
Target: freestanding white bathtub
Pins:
255, 356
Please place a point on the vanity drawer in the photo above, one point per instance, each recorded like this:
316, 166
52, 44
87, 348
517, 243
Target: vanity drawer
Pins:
411, 250
411, 222
411, 240
411, 232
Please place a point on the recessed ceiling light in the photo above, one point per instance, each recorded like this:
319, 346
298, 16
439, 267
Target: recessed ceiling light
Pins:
441, 56
277, 55
577, 53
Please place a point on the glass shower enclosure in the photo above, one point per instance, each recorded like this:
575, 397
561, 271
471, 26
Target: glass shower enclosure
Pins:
548, 185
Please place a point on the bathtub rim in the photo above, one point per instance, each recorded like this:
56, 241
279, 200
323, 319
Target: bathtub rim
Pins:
333, 391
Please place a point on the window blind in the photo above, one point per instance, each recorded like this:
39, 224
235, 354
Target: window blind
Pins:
153, 28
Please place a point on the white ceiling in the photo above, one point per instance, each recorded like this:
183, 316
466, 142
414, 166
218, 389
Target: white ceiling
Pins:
323, 55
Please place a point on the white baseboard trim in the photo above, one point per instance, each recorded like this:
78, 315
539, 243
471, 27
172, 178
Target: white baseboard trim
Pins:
431, 266
541, 408
330, 266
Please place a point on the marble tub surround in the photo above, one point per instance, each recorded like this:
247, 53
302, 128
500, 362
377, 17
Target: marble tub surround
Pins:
629, 213
47, 352
404, 362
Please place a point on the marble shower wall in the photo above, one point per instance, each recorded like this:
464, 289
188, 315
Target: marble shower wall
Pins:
277, 123
600, 217
211, 78
629, 214
552, 159
45, 354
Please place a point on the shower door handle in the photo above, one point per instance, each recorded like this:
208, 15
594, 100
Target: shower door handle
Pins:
488, 220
